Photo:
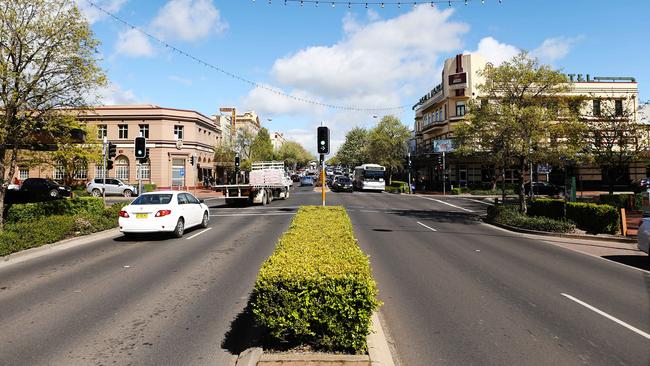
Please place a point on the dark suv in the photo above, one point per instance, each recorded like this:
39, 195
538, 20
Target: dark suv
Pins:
38, 189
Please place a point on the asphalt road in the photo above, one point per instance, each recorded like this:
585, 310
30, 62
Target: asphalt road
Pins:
455, 292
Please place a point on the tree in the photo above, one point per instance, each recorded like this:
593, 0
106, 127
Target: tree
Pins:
47, 63
262, 147
72, 154
388, 144
524, 117
354, 151
294, 155
617, 138
243, 143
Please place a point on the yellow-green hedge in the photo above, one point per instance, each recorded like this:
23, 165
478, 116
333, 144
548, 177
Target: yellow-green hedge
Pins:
317, 288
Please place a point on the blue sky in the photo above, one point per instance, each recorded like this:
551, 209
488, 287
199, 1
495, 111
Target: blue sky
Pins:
367, 58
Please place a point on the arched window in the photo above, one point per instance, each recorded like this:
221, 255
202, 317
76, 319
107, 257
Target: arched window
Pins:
122, 168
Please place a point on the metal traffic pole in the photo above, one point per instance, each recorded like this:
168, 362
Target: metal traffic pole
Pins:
409, 169
444, 175
104, 148
322, 158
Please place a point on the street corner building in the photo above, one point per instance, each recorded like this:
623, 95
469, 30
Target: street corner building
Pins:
444, 106
174, 138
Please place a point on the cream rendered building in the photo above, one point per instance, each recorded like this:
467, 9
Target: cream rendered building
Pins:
277, 139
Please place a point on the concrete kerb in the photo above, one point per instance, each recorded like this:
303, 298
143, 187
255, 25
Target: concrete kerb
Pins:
32, 253
378, 353
563, 235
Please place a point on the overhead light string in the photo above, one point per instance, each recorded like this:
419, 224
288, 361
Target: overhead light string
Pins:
241, 78
383, 4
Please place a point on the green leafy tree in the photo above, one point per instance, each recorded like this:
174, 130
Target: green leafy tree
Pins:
73, 155
524, 117
47, 63
262, 147
388, 144
294, 155
354, 150
244, 143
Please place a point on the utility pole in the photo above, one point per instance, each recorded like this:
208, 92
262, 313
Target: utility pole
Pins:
104, 152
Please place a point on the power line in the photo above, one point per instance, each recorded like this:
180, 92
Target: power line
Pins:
237, 77
381, 4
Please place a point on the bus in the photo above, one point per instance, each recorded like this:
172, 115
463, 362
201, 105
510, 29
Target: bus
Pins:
369, 177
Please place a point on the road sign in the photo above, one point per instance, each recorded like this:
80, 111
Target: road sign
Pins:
182, 172
544, 169
444, 145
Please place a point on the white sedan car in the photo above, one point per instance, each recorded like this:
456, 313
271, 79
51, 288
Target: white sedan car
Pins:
163, 211
644, 235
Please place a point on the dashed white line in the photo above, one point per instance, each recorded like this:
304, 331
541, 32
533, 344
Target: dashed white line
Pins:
448, 204
428, 227
199, 233
620, 322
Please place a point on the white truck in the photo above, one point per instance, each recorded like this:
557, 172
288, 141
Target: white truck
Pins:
268, 180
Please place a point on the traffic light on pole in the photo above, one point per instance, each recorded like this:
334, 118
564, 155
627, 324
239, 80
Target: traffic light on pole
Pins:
323, 136
192, 160
140, 147
112, 150
237, 162
440, 160
109, 164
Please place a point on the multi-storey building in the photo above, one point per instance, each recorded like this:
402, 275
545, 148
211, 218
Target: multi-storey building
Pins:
437, 112
175, 137
277, 139
248, 121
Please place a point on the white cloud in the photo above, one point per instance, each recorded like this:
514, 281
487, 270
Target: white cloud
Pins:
93, 14
180, 79
495, 51
553, 49
133, 43
113, 94
188, 20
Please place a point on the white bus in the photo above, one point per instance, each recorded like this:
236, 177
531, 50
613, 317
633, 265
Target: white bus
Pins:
369, 177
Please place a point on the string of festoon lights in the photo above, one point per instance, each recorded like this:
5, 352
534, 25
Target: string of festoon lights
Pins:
380, 4
238, 77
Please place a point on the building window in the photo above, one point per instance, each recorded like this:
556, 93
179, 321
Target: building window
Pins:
144, 170
23, 173
460, 109
101, 131
58, 173
122, 168
618, 107
596, 107
99, 171
81, 173
178, 131
123, 131
144, 131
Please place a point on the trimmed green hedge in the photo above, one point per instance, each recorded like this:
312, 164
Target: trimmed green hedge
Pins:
43, 230
509, 215
317, 288
496, 192
149, 187
628, 201
33, 211
546, 207
594, 218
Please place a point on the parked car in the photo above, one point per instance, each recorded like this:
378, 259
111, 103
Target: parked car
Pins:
307, 181
295, 177
544, 189
37, 189
342, 184
163, 211
113, 187
641, 185
643, 237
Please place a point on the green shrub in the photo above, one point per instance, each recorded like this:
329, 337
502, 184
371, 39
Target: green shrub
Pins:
34, 211
496, 192
455, 191
317, 287
149, 187
509, 215
628, 201
545, 207
594, 218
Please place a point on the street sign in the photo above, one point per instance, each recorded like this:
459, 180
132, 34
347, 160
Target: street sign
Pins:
544, 169
182, 172
444, 145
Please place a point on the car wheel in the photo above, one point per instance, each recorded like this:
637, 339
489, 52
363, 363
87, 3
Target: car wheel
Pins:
180, 228
54, 193
127, 193
204, 222
96, 192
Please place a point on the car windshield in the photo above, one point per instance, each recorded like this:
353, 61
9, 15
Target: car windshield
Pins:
153, 199
343, 180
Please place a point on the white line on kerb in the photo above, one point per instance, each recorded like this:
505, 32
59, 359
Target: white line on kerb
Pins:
479, 201
428, 227
448, 204
635, 330
199, 233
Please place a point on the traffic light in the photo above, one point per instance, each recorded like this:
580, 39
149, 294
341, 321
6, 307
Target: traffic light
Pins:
408, 162
439, 159
109, 164
112, 150
323, 140
140, 147
192, 160
237, 162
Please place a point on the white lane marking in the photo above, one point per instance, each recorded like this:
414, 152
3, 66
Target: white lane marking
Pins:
447, 203
479, 201
253, 214
620, 322
428, 227
199, 233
